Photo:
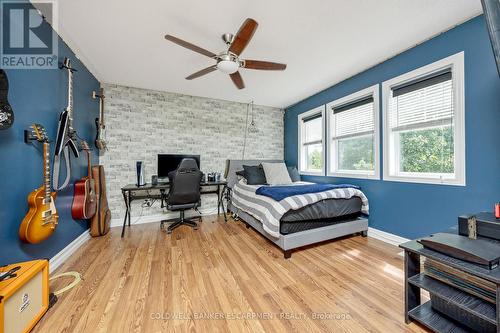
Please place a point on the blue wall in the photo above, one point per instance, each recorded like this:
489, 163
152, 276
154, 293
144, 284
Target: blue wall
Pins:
412, 210
39, 96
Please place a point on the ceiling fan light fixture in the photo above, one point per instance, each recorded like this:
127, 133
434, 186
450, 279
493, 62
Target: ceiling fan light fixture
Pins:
228, 66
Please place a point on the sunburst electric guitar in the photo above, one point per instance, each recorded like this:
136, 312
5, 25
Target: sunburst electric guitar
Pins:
41, 220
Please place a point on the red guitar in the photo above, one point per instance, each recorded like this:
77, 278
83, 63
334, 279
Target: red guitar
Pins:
84, 200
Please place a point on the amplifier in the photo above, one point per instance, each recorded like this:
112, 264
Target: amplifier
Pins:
24, 295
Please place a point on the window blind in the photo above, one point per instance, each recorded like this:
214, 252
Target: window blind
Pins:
312, 117
353, 119
313, 129
426, 102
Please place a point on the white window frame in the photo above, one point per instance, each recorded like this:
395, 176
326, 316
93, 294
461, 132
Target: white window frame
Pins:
372, 91
317, 110
456, 63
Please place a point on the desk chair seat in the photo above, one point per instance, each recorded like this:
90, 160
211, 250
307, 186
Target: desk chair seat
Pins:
184, 193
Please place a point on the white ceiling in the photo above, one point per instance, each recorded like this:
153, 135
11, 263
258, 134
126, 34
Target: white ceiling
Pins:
322, 41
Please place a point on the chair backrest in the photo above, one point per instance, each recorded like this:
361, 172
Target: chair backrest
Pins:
185, 183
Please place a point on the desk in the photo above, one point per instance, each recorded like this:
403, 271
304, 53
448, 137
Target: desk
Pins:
133, 192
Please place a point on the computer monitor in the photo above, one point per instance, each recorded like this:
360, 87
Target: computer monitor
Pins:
170, 162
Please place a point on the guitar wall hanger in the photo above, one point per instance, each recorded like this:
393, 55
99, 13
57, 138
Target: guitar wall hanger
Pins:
66, 65
30, 136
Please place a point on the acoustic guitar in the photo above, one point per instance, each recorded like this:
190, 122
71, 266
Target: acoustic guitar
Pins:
84, 199
41, 220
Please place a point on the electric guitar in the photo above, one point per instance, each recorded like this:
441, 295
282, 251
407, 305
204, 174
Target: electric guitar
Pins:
66, 133
6, 114
41, 220
100, 143
84, 200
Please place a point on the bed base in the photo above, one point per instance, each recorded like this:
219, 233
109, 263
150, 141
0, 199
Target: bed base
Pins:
302, 238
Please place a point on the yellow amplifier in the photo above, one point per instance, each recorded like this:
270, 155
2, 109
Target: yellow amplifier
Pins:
24, 295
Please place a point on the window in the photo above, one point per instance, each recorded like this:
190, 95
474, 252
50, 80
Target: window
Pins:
353, 135
311, 139
424, 139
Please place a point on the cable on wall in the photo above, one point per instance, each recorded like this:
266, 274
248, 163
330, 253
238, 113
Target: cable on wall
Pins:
249, 105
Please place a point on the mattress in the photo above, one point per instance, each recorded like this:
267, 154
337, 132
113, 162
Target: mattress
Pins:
299, 212
320, 214
324, 209
287, 228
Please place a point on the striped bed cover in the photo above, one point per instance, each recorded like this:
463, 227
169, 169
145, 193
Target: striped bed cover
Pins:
269, 212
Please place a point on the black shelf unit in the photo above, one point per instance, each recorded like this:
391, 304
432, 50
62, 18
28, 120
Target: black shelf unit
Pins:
424, 313
435, 321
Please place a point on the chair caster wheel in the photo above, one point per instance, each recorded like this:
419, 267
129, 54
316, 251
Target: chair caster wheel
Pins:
195, 228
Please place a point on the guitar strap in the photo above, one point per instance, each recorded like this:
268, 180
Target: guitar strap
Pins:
63, 143
57, 168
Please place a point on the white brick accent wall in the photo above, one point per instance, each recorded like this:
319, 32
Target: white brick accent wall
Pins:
142, 123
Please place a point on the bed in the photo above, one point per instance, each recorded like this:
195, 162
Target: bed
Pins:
291, 224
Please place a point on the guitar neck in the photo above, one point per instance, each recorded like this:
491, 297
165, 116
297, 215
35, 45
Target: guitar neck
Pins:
46, 170
70, 99
89, 165
101, 108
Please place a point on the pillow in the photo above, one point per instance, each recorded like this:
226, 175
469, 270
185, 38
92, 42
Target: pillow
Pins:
294, 174
241, 174
254, 175
276, 174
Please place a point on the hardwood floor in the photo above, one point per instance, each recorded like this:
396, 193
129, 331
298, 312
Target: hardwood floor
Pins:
226, 278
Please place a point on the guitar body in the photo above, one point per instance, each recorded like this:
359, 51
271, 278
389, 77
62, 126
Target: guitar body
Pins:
100, 223
41, 220
6, 114
84, 200
99, 142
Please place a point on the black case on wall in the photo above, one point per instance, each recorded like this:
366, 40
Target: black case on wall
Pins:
486, 225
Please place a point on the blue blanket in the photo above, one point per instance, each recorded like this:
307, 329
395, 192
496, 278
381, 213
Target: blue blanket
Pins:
279, 193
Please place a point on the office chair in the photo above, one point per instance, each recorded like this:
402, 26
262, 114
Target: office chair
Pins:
184, 193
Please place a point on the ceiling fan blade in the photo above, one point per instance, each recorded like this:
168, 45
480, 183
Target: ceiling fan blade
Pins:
190, 46
264, 65
202, 72
237, 80
243, 36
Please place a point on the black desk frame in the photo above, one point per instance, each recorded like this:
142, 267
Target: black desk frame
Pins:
133, 192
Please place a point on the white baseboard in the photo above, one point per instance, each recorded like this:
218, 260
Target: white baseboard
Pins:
118, 222
65, 253
386, 237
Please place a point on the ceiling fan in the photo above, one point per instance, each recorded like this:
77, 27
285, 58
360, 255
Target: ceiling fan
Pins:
228, 61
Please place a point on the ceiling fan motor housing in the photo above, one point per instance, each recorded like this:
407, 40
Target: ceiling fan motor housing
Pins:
228, 38
228, 63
